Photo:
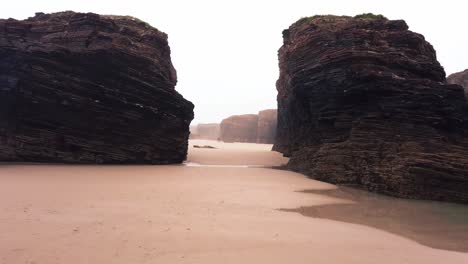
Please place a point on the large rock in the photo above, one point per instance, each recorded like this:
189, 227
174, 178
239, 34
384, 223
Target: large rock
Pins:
88, 88
364, 101
266, 128
460, 78
239, 128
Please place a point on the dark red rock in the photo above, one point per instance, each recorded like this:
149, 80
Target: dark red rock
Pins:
364, 101
460, 78
239, 128
266, 128
88, 88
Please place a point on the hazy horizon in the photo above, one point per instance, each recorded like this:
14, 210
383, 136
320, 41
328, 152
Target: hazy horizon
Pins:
225, 54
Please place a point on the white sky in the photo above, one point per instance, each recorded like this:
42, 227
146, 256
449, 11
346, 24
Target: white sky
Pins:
225, 52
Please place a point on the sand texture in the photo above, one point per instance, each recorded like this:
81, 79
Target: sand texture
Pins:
187, 214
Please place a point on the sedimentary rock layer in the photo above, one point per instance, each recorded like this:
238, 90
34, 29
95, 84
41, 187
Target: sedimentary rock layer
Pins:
88, 88
364, 101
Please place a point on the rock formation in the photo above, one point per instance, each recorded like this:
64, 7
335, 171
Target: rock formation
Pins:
363, 101
208, 131
460, 78
250, 128
239, 128
266, 128
88, 88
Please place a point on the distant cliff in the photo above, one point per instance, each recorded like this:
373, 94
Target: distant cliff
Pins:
251, 128
206, 131
89, 88
460, 78
266, 127
363, 100
239, 128
193, 131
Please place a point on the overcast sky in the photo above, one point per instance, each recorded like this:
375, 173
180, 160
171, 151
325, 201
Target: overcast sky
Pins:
225, 52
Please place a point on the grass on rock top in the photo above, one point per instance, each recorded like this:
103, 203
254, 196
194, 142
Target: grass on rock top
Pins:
332, 18
370, 16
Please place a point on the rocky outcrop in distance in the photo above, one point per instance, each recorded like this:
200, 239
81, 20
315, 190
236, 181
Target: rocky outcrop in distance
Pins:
208, 131
266, 127
251, 128
363, 100
89, 88
460, 78
193, 131
239, 128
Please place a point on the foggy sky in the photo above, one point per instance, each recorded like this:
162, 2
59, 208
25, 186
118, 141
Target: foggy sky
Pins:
225, 52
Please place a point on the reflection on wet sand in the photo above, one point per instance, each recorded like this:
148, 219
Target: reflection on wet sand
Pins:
434, 224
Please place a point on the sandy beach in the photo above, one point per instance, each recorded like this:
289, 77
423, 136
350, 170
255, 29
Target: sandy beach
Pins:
224, 213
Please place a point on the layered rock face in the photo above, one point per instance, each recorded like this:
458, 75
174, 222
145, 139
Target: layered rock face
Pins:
266, 127
460, 78
87, 88
239, 128
364, 101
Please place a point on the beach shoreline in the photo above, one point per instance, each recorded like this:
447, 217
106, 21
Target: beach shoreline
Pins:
187, 214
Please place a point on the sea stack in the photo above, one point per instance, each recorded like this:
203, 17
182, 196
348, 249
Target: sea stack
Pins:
89, 88
363, 100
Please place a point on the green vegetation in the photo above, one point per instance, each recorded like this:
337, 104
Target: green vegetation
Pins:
317, 16
370, 16
312, 18
333, 18
136, 20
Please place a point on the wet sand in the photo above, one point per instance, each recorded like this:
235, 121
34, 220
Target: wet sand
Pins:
185, 214
246, 154
435, 224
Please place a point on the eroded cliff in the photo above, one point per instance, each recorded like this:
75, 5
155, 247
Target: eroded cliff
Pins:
239, 128
364, 101
260, 128
88, 88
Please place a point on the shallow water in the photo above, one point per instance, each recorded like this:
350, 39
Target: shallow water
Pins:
434, 224
194, 164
